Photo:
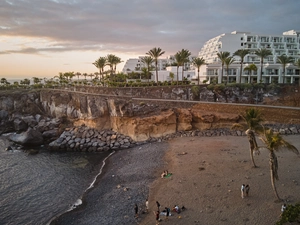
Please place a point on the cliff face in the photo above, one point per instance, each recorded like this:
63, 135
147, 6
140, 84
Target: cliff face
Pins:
138, 118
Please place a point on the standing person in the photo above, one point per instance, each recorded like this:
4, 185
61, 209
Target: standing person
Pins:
158, 205
247, 189
167, 212
136, 210
147, 205
243, 190
156, 217
283, 208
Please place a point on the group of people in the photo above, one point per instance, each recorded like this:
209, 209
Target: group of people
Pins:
245, 190
165, 212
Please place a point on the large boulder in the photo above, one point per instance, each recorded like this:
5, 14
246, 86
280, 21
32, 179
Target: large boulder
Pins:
30, 137
20, 125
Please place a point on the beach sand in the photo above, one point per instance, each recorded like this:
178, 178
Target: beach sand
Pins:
207, 174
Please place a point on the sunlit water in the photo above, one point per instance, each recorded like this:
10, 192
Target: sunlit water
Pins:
37, 188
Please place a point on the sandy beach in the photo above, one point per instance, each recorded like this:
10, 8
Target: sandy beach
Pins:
207, 174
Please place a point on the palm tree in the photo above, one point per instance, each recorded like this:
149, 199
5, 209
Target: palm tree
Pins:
223, 56
275, 142
251, 68
100, 64
198, 62
177, 58
297, 63
262, 53
185, 58
241, 53
78, 74
252, 119
171, 75
155, 53
284, 60
228, 61
148, 60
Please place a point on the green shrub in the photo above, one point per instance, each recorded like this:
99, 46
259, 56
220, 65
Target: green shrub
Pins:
291, 214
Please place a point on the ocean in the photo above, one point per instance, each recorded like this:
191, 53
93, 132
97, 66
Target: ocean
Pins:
35, 189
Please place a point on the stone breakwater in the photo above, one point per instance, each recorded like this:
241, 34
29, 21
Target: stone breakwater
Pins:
87, 139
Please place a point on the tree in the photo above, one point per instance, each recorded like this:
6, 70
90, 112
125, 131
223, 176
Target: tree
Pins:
184, 58
155, 53
274, 142
147, 60
198, 62
78, 74
262, 53
223, 56
241, 53
37, 80
297, 63
251, 68
284, 60
100, 64
3, 81
228, 61
112, 62
171, 75
252, 119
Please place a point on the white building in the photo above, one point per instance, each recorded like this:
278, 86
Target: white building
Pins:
164, 68
288, 43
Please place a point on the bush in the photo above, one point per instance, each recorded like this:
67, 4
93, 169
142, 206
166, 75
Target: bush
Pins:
291, 214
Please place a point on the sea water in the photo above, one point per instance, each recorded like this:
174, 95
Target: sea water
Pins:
37, 188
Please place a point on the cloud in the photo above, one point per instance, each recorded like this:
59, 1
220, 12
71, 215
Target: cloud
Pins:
136, 26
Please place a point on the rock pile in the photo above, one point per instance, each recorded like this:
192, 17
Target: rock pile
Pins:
85, 139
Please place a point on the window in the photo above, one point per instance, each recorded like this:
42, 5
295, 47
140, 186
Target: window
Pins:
242, 44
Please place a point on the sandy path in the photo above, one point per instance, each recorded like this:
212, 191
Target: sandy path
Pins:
207, 181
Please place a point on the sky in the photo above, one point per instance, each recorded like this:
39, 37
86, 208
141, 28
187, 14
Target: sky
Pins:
41, 38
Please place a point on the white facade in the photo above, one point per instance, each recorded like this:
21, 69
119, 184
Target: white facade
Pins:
164, 69
288, 43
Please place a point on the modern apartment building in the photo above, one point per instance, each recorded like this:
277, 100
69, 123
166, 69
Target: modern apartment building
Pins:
164, 68
288, 43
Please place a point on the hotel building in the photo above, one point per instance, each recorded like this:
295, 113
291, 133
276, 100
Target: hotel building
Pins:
288, 43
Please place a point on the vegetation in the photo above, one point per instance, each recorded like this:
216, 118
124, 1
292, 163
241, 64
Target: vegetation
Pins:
198, 62
262, 53
252, 118
241, 53
284, 60
297, 63
274, 142
223, 57
290, 214
155, 53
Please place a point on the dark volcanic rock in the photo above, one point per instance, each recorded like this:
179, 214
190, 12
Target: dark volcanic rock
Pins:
30, 137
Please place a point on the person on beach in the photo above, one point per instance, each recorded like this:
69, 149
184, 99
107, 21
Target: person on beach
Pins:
136, 210
158, 205
147, 205
156, 217
167, 212
283, 208
247, 189
243, 190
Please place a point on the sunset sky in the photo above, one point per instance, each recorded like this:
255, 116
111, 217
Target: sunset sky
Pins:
40, 38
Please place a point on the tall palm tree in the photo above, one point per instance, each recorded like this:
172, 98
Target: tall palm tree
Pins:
251, 68
147, 60
100, 64
241, 53
185, 58
284, 60
297, 63
275, 142
112, 62
223, 56
228, 61
262, 53
198, 62
252, 119
178, 60
155, 53
78, 74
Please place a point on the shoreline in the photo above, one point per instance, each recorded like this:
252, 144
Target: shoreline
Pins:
126, 180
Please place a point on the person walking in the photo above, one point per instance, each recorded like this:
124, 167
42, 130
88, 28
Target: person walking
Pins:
158, 205
243, 190
167, 212
147, 205
156, 217
136, 210
247, 189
